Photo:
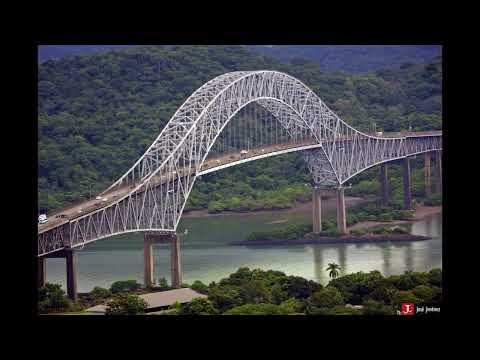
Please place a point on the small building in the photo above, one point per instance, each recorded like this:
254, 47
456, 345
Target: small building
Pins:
157, 301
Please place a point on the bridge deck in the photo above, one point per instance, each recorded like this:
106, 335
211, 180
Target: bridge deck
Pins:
80, 209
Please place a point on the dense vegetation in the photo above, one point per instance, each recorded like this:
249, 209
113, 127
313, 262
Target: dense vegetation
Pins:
353, 58
259, 292
99, 113
330, 57
54, 52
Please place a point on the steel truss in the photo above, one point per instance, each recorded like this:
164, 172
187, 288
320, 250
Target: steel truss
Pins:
163, 177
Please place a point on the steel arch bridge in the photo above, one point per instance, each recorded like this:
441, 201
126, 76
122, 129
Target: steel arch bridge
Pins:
152, 194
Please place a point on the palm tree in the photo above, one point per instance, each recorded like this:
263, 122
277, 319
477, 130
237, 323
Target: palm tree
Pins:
333, 268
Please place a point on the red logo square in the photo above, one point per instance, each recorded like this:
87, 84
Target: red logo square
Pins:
408, 309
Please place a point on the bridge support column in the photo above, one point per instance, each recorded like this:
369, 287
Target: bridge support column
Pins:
341, 217
428, 178
175, 264
71, 273
42, 272
407, 195
317, 210
438, 165
148, 279
384, 184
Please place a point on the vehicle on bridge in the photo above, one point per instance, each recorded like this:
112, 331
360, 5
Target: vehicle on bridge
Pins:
42, 219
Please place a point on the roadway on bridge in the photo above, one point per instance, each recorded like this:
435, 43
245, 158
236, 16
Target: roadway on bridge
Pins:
63, 216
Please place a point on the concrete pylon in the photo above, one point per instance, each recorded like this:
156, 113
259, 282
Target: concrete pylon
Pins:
428, 178
175, 263
341, 217
148, 265
407, 195
384, 184
42, 272
71, 273
438, 165
317, 210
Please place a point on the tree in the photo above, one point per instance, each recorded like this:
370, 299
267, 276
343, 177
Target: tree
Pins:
292, 306
372, 307
224, 297
300, 288
162, 283
425, 293
198, 306
258, 309
354, 287
327, 297
404, 296
435, 277
336, 310
99, 293
255, 291
51, 297
124, 286
333, 268
199, 287
126, 304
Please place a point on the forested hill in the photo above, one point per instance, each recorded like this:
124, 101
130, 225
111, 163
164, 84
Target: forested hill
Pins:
353, 58
54, 52
98, 113
346, 58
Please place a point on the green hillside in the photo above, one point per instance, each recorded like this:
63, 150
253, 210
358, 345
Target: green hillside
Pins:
98, 114
355, 59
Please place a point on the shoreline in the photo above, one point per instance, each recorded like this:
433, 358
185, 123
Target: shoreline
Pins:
421, 212
299, 208
346, 239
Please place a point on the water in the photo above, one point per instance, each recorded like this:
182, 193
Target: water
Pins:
207, 256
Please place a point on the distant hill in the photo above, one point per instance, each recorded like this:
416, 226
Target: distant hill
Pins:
353, 58
53, 52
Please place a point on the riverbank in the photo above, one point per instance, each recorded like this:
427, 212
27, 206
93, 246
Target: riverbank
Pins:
346, 239
299, 208
297, 235
421, 212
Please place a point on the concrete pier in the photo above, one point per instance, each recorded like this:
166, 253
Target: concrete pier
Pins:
438, 166
317, 210
428, 178
384, 184
407, 195
71, 274
341, 217
175, 261
42, 272
71, 266
148, 279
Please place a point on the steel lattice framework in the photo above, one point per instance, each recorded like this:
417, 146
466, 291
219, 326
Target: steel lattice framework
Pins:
160, 181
